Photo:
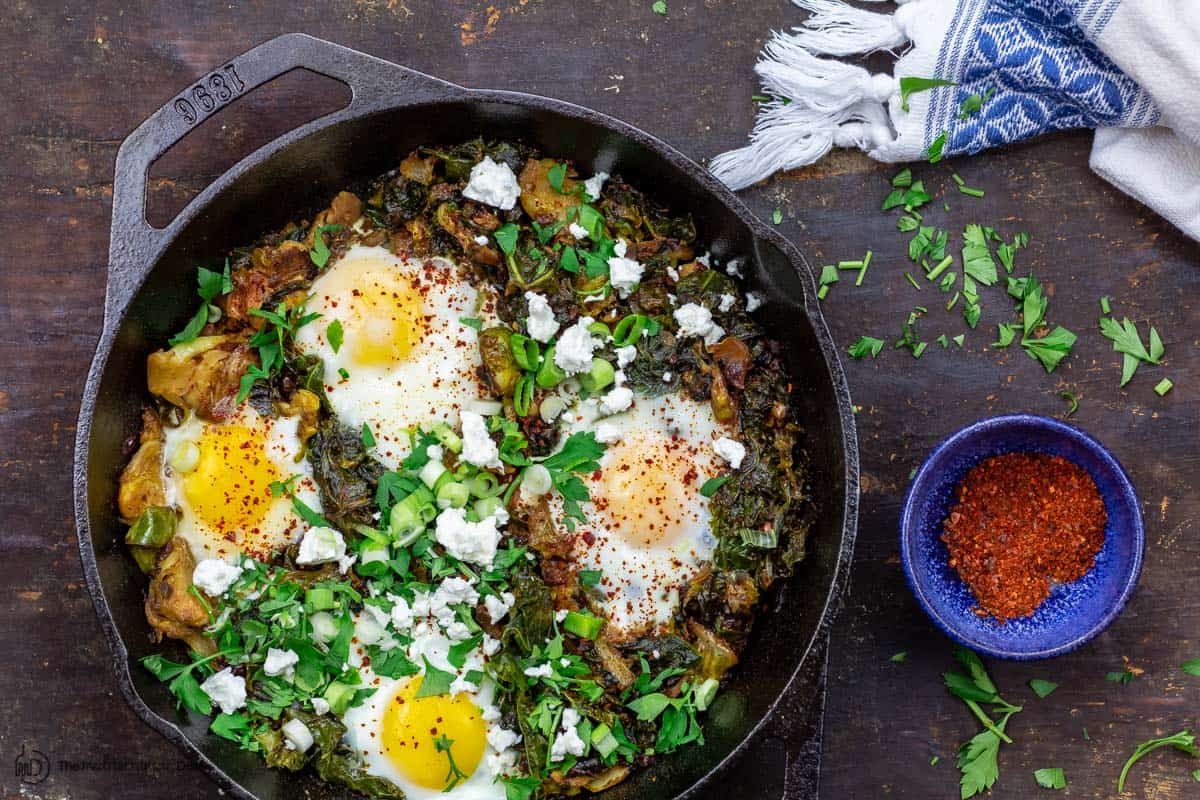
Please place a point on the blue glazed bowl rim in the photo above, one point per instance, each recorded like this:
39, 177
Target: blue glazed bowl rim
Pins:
1060, 428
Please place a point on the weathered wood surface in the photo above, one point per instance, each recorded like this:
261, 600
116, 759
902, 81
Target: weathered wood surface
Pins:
81, 75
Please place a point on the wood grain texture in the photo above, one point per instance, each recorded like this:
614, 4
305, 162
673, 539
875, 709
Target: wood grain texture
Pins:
81, 75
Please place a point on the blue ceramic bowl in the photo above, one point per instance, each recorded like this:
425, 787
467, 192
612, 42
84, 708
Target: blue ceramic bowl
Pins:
1074, 612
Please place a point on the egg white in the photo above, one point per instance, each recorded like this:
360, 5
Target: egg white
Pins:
247, 452
648, 527
407, 357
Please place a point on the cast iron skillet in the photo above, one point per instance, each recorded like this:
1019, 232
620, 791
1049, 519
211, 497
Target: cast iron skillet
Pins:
151, 293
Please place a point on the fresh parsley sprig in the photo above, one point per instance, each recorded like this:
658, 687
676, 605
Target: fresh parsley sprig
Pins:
1184, 741
209, 284
977, 758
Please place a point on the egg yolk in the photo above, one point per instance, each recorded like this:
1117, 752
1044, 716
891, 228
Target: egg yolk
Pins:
230, 488
412, 727
645, 489
381, 310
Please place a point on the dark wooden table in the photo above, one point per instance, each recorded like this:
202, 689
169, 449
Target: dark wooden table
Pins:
81, 75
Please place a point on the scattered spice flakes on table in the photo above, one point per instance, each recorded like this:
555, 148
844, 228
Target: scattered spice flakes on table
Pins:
1023, 521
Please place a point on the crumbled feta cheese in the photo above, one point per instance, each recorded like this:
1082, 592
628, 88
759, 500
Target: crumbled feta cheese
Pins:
607, 433
478, 447
281, 662
489, 714
567, 741
481, 240
668, 376
621, 248
214, 577
367, 630
457, 631
626, 355
696, 320
454, 591
705, 259
616, 401
320, 706
594, 184
493, 184
573, 353
673, 274
734, 268
730, 450
402, 615
379, 615
624, 274
321, 545
578, 231
673, 300
501, 739
346, 562
754, 301
297, 734
498, 606
541, 322
490, 646
467, 541
560, 615
540, 671
225, 689
727, 301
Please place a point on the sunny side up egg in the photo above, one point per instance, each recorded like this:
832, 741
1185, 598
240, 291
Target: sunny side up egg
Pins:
647, 527
219, 475
397, 733
404, 357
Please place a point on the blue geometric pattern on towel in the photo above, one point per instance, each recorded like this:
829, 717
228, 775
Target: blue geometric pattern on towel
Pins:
1045, 73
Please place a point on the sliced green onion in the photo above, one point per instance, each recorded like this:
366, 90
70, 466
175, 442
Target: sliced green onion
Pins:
551, 408
487, 506
1163, 386
453, 495
535, 481
372, 552
185, 457
153, 528
940, 268
523, 394
600, 375
430, 473
583, 624
548, 374
324, 626
319, 598
339, 695
631, 328
603, 740
600, 329
705, 693
447, 437
526, 351
485, 484
406, 517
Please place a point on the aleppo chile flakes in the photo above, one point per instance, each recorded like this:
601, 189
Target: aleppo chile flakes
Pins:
1023, 521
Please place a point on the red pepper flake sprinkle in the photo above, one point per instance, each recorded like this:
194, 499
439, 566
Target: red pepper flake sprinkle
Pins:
1023, 520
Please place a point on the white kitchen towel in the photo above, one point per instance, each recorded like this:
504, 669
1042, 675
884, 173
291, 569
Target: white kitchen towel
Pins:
1004, 70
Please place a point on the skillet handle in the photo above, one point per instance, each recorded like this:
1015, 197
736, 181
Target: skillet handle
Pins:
134, 244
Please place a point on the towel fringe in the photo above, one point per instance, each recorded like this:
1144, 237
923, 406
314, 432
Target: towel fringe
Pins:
837, 29
787, 136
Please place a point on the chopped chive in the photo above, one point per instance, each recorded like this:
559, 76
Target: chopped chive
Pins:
1163, 386
777, 216
945, 206
953, 302
943, 341
822, 293
919, 348
1105, 308
849, 265
862, 273
957, 179
967, 190
933, 762
912, 280
940, 268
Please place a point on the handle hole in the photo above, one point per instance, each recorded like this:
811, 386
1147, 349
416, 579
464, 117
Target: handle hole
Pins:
250, 121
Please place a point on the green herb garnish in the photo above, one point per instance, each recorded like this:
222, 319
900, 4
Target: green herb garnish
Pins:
1050, 778
866, 345
911, 85
209, 284
1042, 688
713, 485
1184, 740
320, 250
334, 335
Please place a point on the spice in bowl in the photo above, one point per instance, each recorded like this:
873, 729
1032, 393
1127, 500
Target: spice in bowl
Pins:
1023, 522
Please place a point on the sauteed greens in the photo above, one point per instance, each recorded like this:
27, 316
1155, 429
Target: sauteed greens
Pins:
530, 592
